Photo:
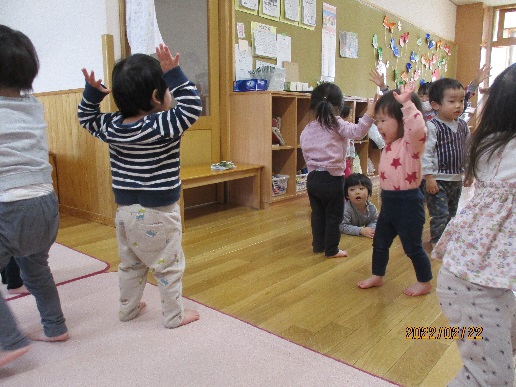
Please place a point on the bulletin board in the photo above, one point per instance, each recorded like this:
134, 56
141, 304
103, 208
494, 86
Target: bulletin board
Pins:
364, 21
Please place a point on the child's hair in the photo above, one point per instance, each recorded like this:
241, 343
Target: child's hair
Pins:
134, 80
497, 120
344, 112
19, 62
327, 101
388, 105
424, 88
437, 89
358, 179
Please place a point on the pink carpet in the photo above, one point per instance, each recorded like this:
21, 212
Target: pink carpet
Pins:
67, 265
217, 350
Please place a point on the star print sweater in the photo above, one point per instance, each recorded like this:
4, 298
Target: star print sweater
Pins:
400, 161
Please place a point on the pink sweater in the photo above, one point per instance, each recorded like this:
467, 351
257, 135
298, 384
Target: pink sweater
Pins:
327, 149
400, 161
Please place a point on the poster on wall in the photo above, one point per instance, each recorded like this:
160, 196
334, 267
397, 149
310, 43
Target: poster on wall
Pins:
348, 44
269, 9
290, 11
249, 6
264, 40
329, 42
308, 12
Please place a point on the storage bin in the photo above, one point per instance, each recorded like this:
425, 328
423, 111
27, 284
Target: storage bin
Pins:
301, 182
279, 184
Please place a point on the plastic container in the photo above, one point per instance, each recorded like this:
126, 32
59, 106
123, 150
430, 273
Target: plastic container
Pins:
279, 184
301, 182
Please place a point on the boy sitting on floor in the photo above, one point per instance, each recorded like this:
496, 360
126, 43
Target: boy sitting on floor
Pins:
360, 215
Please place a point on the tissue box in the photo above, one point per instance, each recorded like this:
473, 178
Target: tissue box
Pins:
250, 85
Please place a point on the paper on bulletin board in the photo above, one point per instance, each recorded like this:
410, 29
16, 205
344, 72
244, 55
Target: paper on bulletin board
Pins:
329, 42
264, 40
290, 11
284, 49
243, 62
348, 44
269, 9
249, 6
308, 10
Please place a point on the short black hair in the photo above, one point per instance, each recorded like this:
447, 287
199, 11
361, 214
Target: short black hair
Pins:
134, 80
358, 179
388, 105
424, 88
344, 112
19, 63
437, 89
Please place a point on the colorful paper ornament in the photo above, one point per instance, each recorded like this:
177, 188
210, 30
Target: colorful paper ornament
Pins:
440, 63
408, 66
389, 25
399, 25
404, 39
380, 54
435, 75
447, 49
392, 44
417, 73
396, 51
412, 56
427, 36
404, 76
419, 41
387, 64
375, 41
438, 45
431, 44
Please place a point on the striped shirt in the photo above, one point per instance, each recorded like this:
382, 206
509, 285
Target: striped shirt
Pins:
444, 152
144, 155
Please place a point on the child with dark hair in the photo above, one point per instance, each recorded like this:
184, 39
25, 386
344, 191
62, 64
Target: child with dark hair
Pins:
401, 124
324, 143
476, 284
29, 212
144, 138
360, 215
443, 159
422, 93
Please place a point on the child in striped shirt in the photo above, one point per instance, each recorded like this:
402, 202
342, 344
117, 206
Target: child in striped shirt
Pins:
144, 138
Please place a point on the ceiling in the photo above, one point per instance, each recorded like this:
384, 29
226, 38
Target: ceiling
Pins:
489, 3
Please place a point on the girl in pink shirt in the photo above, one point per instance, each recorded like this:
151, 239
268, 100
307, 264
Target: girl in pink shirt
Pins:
401, 124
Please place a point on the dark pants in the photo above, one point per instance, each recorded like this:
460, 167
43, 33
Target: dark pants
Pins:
326, 194
442, 206
11, 275
402, 214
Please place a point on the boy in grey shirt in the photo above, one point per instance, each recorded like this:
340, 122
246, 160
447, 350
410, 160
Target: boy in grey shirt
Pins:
360, 215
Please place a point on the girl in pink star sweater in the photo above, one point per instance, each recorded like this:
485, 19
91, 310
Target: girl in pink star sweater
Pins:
401, 124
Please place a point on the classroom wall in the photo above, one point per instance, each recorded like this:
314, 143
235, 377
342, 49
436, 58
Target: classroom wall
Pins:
352, 75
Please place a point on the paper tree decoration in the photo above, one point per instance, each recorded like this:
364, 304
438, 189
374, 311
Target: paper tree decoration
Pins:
408, 66
380, 54
375, 41
404, 39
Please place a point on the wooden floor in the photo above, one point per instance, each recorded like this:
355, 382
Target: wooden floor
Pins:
258, 265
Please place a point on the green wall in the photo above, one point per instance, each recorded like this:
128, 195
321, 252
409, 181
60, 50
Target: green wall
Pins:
352, 75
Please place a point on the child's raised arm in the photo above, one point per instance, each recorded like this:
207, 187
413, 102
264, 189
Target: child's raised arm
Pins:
406, 93
96, 83
166, 60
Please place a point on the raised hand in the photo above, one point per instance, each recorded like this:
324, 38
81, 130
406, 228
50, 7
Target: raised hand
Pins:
405, 94
96, 83
371, 102
166, 60
377, 78
482, 73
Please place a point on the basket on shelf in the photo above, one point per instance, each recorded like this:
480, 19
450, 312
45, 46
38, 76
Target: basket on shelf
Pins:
301, 182
279, 184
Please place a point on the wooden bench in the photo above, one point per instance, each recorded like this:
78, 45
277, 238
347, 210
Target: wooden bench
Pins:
242, 192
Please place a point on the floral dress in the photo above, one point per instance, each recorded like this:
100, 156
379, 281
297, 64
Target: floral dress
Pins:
479, 243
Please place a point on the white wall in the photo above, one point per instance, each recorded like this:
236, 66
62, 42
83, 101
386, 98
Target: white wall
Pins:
434, 16
67, 33
67, 36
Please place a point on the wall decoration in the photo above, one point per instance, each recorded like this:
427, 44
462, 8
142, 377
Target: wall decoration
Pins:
404, 39
388, 25
348, 44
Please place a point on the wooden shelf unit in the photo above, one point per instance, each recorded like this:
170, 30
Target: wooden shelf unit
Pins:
251, 135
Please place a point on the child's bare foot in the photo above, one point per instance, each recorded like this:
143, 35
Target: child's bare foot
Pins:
43, 337
371, 282
418, 289
190, 316
340, 254
9, 356
21, 290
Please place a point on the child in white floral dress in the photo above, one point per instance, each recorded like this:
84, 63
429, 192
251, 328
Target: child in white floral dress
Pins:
478, 273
